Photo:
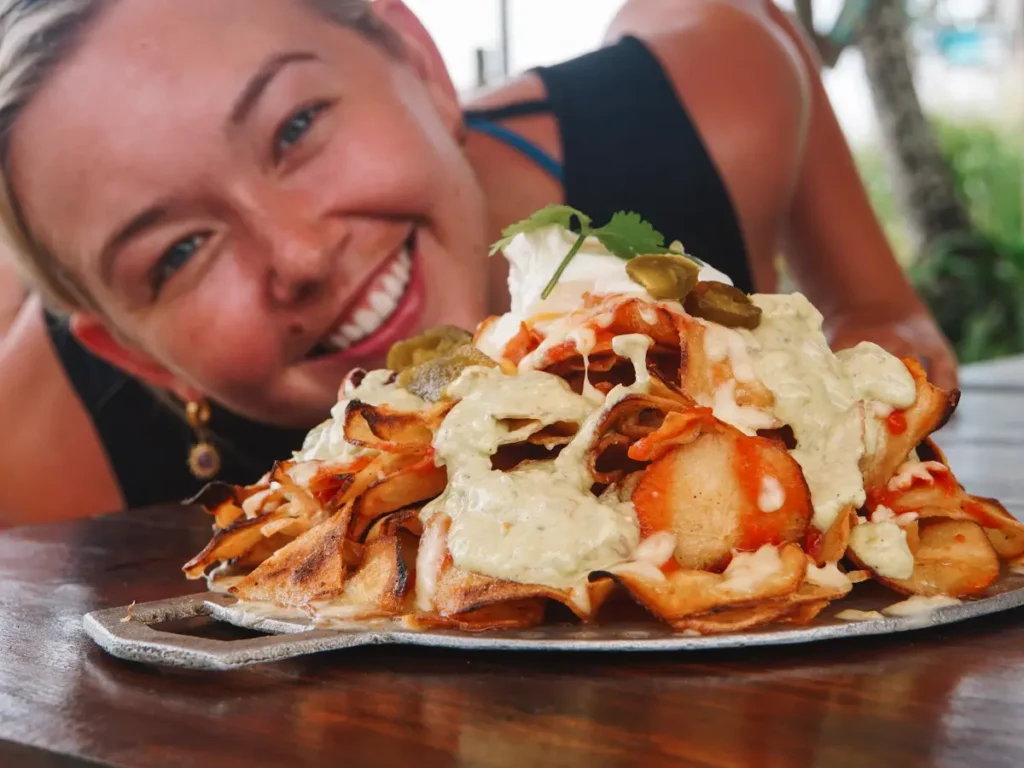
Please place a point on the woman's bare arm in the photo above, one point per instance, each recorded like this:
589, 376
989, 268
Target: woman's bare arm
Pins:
52, 465
752, 86
838, 251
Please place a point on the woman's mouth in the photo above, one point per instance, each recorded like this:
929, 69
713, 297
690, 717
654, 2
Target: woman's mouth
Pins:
388, 311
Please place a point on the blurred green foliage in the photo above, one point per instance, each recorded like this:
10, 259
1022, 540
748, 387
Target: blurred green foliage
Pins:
973, 284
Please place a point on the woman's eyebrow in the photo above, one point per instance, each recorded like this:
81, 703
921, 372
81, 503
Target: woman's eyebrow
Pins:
258, 83
139, 223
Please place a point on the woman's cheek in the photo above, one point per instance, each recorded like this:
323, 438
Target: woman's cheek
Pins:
224, 346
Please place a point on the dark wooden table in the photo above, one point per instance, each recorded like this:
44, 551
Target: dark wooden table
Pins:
945, 697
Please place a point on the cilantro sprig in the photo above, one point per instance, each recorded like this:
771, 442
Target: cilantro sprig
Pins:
626, 235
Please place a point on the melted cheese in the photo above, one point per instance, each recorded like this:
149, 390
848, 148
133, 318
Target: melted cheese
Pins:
919, 605
828, 576
771, 496
747, 571
876, 375
721, 344
745, 418
821, 397
658, 548
883, 548
851, 614
429, 558
882, 514
538, 523
327, 441
910, 471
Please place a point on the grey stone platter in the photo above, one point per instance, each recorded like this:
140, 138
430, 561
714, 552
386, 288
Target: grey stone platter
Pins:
131, 634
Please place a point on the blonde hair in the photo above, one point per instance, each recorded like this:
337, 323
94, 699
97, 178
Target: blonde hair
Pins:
35, 37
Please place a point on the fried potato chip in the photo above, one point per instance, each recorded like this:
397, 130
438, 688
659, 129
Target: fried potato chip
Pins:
607, 370
953, 557
519, 346
799, 607
702, 373
1004, 531
380, 586
461, 592
734, 619
719, 490
292, 479
607, 317
930, 490
385, 429
412, 484
771, 572
222, 501
516, 614
928, 450
444, 589
312, 567
831, 546
805, 613
404, 520
899, 436
231, 543
635, 415
677, 429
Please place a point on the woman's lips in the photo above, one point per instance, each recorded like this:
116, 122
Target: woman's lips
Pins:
390, 311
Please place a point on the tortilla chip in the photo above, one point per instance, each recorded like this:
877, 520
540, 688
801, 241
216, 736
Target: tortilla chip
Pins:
312, 567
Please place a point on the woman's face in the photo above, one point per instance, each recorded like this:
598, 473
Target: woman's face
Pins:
257, 199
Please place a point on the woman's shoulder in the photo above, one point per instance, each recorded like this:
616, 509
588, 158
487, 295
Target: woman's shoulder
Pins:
744, 44
52, 464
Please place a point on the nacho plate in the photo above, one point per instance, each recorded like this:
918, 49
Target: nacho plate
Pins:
290, 637
639, 433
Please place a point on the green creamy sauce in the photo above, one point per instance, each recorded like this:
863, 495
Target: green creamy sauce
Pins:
326, 442
539, 523
827, 399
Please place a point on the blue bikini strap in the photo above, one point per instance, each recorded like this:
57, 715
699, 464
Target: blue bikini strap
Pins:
485, 121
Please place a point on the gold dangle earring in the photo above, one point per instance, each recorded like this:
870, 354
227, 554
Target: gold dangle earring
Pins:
203, 459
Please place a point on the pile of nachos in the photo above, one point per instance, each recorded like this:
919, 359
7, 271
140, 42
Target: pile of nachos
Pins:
635, 427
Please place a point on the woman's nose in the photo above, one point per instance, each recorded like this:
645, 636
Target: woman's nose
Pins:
301, 254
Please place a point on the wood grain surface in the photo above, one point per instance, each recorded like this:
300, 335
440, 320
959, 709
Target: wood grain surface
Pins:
949, 696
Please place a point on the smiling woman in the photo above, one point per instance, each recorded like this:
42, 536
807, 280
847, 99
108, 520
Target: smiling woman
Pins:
245, 224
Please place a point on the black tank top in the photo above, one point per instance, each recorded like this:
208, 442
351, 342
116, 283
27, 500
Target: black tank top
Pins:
628, 144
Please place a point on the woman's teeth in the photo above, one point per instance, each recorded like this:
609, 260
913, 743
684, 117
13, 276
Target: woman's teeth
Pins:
382, 298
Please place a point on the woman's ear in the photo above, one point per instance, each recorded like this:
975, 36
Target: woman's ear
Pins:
423, 56
92, 334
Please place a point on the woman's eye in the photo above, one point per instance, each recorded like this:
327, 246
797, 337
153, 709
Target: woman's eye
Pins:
174, 258
291, 133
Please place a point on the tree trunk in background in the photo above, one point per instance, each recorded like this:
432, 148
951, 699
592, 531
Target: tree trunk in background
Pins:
921, 175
